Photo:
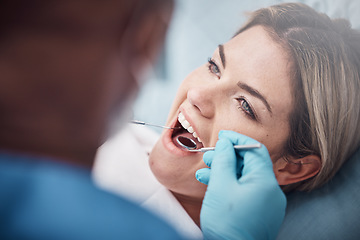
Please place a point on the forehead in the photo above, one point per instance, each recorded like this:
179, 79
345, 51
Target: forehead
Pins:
255, 58
258, 51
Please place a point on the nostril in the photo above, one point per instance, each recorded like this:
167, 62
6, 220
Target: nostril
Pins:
197, 108
193, 103
201, 99
195, 97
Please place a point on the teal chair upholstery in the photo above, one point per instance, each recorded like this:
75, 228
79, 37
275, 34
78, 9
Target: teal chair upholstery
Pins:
331, 212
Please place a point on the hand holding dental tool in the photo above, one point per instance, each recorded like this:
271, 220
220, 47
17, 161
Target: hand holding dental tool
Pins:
250, 207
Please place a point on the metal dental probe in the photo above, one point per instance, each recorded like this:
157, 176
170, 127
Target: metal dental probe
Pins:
242, 147
153, 125
185, 140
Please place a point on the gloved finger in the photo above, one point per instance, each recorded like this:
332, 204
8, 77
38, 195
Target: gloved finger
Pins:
223, 167
203, 175
257, 160
236, 138
208, 158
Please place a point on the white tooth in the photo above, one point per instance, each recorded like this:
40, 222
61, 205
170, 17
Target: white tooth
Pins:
185, 124
199, 139
181, 117
190, 129
195, 135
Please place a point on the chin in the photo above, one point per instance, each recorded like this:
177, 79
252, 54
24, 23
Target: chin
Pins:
173, 165
176, 170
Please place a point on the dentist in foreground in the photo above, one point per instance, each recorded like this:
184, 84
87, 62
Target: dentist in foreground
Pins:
67, 68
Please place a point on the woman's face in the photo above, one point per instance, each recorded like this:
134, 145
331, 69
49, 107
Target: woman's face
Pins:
245, 87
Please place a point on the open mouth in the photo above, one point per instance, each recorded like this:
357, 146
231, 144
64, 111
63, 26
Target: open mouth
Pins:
185, 130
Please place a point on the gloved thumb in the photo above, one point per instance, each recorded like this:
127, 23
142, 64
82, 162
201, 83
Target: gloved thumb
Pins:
223, 167
255, 160
203, 175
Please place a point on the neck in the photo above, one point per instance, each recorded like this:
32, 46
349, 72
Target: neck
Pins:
49, 135
191, 205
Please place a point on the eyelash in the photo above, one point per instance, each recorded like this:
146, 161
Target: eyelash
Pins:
211, 65
249, 111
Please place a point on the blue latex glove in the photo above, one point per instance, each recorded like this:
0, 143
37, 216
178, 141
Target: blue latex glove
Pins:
249, 207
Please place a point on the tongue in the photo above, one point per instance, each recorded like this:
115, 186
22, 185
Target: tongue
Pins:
187, 135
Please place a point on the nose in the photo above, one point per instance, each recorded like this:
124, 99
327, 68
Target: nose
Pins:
202, 98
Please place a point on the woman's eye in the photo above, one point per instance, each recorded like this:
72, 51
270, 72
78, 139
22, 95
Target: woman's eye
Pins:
213, 68
245, 106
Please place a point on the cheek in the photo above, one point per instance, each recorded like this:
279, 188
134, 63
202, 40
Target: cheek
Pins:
273, 136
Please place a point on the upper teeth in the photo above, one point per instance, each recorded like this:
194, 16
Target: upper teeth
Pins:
187, 126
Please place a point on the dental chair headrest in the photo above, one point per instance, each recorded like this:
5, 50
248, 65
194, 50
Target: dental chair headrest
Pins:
330, 212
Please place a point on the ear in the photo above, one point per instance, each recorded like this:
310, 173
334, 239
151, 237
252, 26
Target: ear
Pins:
296, 170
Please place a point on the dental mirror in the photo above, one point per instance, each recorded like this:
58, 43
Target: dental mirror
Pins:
190, 145
185, 142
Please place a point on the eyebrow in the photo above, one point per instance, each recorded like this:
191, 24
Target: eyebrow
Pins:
222, 55
244, 86
254, 93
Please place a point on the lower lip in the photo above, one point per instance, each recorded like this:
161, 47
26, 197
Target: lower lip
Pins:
171, 147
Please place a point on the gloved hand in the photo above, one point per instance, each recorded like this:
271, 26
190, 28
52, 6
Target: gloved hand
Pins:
249, 207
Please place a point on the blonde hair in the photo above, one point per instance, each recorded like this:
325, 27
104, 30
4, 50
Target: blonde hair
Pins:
326, 65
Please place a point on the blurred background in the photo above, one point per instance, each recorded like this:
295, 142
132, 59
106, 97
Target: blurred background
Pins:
197, 28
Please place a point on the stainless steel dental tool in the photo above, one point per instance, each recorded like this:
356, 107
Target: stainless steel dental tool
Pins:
190, 145
186, 142
150, 124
